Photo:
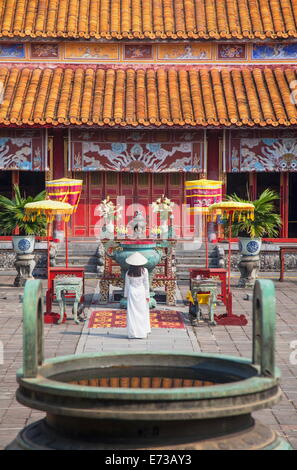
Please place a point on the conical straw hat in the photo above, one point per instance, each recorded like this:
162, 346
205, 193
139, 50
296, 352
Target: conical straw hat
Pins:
137, 259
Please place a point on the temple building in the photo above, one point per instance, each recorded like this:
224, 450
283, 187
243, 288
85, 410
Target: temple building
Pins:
137, 96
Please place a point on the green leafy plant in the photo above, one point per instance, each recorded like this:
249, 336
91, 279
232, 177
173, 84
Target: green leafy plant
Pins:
12, 214
266, 221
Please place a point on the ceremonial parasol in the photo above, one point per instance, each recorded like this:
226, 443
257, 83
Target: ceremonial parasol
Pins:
231, 211
200, 195
65, 190
50, 209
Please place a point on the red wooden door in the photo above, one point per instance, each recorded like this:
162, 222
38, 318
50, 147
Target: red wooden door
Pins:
79, 222
138, 190
127, 191
176, 185
141, 197
86, 217
95, 197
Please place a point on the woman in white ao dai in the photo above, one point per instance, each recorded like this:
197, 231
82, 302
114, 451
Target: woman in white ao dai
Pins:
137, 291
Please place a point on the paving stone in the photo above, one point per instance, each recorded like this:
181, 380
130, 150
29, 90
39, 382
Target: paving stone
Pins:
228, 340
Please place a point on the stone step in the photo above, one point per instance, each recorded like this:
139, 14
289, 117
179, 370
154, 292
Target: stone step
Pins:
188, 261
83, 254
183, 282
185, 275
78, 256
186, 269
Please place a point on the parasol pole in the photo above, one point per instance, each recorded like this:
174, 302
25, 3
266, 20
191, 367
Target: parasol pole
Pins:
48, 254
206, 240
66, 242
229, 255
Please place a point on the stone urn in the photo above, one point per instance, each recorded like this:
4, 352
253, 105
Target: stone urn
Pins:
249, 264
249, 246
23, 244
148, 249
25, 263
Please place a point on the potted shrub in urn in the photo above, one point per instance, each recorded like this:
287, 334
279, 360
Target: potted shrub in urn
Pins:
12, 215
250, 232
266, 222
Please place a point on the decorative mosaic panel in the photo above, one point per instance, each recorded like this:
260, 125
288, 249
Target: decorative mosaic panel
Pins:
91, 51
138, 52
190, 52
22, 150
48, 51
12, 50
184, 51
261, 151
231, 51
283, 51
137, 151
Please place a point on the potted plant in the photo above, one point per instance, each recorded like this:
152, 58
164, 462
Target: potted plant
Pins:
12, 215
266, 222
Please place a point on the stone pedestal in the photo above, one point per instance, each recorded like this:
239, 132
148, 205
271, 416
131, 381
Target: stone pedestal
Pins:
53, 251
100, 255
24, 264
248, 267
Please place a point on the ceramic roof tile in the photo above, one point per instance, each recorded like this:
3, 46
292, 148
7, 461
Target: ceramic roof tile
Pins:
193, 95
165, 19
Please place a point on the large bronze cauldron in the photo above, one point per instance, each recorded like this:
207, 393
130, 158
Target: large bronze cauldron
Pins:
149, 400
149, 250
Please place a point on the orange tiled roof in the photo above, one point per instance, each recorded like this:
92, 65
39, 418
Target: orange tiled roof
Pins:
149, 18
146, 96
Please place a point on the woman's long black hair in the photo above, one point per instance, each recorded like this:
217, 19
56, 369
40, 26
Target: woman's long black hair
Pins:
135, 271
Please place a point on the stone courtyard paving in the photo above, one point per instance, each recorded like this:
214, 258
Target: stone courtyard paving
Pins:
69, 338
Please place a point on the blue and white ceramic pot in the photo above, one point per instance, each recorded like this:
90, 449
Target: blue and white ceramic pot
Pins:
23, 244
249, 246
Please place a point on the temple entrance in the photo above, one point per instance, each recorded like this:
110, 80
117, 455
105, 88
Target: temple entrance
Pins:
30, 182
6, 183
137, 188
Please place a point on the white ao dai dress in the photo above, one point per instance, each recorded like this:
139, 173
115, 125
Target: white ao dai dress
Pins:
137, 290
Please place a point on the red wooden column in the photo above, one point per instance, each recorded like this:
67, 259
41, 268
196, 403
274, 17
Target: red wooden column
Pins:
213, 168
58, 172
15, 180
58, 150
213, 155
284, 204
253, 186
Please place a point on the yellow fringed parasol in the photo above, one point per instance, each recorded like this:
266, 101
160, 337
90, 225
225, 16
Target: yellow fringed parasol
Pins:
233, 209
48, 208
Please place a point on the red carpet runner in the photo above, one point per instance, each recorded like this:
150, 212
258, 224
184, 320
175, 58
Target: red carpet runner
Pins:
117, 319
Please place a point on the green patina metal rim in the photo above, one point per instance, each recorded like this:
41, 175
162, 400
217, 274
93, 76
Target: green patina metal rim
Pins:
241, 387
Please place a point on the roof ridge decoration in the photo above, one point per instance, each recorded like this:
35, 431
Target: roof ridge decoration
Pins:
195, 97
149, 19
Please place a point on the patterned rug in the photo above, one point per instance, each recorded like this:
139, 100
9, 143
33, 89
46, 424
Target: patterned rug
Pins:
117, 319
